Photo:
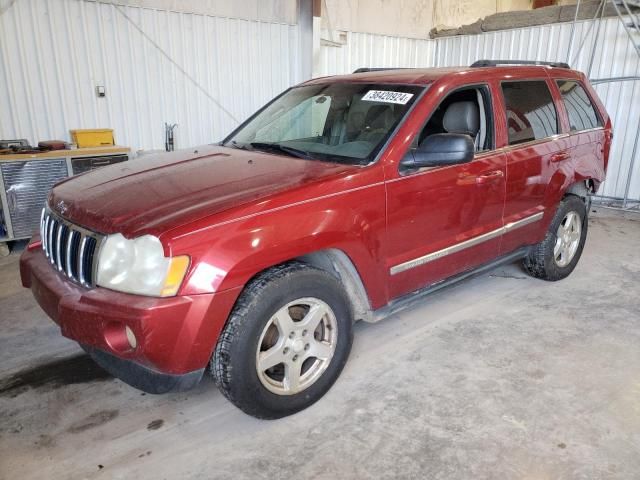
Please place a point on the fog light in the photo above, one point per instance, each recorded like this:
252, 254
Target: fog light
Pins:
120, 337
131, 338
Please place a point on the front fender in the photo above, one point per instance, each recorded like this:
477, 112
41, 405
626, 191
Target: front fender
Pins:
228, 255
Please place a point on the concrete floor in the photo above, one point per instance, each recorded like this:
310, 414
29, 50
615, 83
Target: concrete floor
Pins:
502, 376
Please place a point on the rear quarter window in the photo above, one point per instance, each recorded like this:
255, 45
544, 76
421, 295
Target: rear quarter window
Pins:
531, 113
582, 114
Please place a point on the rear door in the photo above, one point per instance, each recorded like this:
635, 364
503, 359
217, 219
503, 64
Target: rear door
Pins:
534, 144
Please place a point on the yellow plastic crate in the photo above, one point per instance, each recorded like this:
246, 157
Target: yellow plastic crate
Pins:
98, 137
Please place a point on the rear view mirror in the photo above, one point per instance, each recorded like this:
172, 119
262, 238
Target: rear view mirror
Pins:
440, 149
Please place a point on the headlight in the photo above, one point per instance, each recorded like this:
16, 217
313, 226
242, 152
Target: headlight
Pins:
139, 266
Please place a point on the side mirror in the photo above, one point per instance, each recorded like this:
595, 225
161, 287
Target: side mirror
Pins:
440, 149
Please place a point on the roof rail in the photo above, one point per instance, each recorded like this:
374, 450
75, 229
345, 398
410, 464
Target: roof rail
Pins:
495, 63
377, 69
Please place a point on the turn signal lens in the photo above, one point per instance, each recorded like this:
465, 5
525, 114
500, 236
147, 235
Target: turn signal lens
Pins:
177, 270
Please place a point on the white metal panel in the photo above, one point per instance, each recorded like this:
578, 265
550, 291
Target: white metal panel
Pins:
369, 50
614, 57
157, 66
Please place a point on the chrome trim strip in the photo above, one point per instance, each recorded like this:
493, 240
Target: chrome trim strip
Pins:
523, 222
41, 223
50, 240
430, 257
70, 238
538, 141
83, 244
59, 248
43, 234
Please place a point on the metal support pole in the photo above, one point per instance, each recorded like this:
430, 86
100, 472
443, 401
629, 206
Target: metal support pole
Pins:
586, 35
631, 165
626, 28
573, 32
596, 81
634, 20
595, 41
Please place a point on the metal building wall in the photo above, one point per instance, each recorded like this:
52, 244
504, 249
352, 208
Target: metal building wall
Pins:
356, 50
204, 73
614, 57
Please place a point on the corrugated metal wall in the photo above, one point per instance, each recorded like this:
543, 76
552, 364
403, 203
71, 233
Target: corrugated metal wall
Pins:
368, 50
614, 57
208, 73
204, 73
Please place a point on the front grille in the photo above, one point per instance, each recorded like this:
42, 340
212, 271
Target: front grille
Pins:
70, 249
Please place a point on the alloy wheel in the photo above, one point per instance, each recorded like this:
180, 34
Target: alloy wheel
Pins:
296, 346
567, 239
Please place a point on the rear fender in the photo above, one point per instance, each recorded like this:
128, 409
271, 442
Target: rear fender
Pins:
580, 177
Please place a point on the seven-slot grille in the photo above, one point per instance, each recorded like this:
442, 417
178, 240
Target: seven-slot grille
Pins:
69, 248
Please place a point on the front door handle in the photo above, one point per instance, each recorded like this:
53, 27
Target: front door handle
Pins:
489, 177
558, 157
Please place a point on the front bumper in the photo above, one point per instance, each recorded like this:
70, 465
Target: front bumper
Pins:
175, 336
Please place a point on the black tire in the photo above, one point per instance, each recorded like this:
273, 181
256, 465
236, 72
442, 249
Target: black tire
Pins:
540, 262
233, 364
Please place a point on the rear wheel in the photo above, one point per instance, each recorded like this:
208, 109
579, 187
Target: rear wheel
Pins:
557, 255
285, 343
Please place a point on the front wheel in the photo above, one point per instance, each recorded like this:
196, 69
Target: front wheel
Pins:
557, 255
285, 343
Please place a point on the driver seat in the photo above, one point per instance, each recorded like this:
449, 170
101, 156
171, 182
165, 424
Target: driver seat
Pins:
377, 122
464, 118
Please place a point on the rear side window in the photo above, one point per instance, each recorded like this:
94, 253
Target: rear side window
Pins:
531, 113
582, 113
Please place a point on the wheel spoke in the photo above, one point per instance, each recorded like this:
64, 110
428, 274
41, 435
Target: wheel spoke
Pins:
319, 350
557, 247
292, 376
283, 321
576, 224
313, 317
271, 357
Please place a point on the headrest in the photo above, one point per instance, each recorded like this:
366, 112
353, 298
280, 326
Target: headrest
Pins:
378, 117
462, 117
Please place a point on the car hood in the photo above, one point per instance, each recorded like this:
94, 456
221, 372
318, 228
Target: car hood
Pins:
157, 192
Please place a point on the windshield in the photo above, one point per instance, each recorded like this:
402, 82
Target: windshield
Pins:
340, 122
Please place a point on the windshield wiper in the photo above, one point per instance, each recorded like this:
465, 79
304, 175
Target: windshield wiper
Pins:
276, 147
234, 144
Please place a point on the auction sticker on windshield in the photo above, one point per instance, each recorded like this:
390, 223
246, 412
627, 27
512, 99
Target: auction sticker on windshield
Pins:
387, 97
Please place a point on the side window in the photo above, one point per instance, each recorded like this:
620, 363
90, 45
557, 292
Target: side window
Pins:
470, 113
531, 113
582, 113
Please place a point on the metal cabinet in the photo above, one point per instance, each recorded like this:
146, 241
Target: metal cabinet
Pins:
25, 184
86, 164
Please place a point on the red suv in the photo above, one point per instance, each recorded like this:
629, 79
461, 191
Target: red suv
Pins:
341, 200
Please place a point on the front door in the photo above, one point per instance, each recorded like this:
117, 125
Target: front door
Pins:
445, 220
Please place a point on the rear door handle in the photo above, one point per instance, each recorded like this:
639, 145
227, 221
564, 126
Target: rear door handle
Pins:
558, 157
489, 177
